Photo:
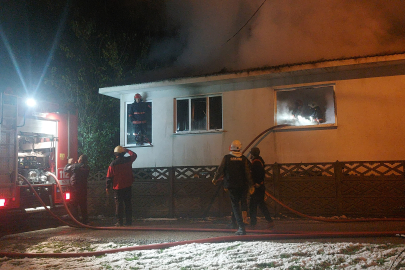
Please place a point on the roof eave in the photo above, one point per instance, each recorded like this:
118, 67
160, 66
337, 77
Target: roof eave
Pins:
252, 74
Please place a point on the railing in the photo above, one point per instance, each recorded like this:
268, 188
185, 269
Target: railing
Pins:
353, 189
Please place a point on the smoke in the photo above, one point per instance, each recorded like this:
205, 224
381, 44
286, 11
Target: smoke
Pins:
306, 106
282, 32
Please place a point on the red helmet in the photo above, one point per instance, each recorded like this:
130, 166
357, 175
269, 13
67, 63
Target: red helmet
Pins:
137, 96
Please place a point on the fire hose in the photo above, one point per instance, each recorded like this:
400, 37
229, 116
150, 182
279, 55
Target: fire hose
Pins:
261, 235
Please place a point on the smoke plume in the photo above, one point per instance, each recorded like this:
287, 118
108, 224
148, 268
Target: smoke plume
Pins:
281, 32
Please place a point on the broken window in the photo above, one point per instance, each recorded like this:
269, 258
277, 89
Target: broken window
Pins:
198, 114
306, 106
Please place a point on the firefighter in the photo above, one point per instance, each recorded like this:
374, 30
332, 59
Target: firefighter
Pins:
257, 198
298, 108
137, 115
79, 173
244, 208
120, 178
316, 113
235, 171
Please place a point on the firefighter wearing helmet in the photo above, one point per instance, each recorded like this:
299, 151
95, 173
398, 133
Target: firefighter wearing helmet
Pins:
235, 172
257, 198
137, 115
120, 178
316, 114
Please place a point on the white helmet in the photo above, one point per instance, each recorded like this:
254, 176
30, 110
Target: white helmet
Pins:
235, 146
119, 149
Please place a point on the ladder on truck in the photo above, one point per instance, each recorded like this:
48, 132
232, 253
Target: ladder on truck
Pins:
8, 149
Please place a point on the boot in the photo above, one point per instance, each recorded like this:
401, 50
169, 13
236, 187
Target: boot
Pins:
245, 217
240, 231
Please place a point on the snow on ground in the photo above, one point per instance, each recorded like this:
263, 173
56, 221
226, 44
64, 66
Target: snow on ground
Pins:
230, 255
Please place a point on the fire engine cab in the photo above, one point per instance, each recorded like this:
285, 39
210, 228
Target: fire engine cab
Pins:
33, 142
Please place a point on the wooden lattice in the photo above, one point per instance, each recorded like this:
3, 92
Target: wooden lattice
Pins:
97, 176
151, 173
151, 188
206, 172
268, 169
372, 168
355, 189
307, 169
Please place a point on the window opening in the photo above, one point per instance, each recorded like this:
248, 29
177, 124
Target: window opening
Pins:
139, 132
306, 106
199, 114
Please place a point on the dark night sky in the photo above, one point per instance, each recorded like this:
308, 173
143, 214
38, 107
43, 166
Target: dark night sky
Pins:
282, 32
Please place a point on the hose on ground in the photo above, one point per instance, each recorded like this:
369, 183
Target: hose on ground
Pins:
261, 235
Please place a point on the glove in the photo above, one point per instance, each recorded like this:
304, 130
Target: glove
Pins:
251, 190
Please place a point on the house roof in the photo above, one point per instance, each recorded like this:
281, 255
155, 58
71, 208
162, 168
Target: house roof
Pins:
264, 73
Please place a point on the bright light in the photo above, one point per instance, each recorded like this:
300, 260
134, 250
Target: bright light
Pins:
67, 196
2, 202
31, 102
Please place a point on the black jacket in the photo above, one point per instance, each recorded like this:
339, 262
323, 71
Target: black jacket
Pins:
235, 171
258, 172
137, 112
79, 173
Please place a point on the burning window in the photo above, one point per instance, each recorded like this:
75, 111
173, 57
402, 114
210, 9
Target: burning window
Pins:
306, 106
198, 114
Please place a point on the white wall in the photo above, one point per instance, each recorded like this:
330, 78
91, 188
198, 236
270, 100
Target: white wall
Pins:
245, 114
370, 126
370, 117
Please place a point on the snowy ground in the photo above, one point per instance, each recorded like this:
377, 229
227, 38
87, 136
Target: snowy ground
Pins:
337, 253
232, 255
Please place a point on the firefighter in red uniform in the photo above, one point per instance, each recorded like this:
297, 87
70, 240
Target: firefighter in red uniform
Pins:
137, 115
120, 177
235, 170
257, 198
79, 173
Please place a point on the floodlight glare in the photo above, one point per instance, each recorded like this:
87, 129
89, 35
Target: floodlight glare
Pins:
31, 102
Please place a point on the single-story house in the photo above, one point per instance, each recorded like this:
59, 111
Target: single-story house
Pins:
347, 110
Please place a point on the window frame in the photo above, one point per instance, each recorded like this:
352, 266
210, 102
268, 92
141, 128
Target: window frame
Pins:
207, 107
314, 126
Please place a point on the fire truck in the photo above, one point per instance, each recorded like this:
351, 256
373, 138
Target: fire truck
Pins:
34, 141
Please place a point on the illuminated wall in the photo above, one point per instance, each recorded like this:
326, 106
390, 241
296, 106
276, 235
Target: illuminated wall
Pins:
369, 100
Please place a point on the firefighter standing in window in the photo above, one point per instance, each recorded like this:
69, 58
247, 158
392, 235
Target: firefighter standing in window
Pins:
235, 171
120, 178
137, 115
79, 172
257, 198
316, 113
297, 108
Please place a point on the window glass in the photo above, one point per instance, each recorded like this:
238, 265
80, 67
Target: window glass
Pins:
215, 110
306, 106
198, 114
182, 115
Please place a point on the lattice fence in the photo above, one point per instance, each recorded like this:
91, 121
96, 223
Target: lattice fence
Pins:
354, 189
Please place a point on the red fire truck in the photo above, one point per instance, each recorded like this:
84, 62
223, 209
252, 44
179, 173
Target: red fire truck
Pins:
33, 142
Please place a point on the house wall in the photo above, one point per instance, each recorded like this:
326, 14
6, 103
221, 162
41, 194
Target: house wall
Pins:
370, 117
370, 114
